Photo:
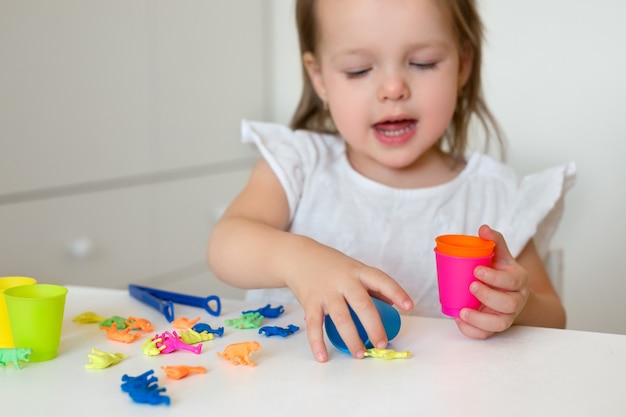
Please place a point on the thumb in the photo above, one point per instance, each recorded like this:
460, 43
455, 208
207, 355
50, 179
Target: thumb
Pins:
502, 255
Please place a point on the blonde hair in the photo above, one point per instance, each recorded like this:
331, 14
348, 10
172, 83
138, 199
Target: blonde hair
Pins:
468, 29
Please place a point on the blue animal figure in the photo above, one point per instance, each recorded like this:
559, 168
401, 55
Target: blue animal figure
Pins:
278, 331
133, 382
203, 327
14, 355
268, 311
144, 389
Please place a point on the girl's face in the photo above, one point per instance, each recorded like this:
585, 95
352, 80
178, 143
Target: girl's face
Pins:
390, 73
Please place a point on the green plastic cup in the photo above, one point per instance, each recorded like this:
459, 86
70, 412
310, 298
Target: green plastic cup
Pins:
36, 316
6, 337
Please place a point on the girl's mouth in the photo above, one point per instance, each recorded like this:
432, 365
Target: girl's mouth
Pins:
395, 132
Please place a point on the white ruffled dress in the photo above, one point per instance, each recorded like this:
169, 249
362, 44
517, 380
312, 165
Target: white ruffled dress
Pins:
394, 229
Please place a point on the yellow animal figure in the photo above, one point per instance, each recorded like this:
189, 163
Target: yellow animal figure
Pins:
239, 353
192, 337
100, 360
387, 354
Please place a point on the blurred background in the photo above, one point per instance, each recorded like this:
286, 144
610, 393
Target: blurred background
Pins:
120, 144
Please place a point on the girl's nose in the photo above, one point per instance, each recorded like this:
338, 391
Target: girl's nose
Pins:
393, 88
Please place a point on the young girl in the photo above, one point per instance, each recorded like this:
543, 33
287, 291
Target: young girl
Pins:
348, 203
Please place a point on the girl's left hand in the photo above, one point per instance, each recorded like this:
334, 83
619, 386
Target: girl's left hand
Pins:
502, 289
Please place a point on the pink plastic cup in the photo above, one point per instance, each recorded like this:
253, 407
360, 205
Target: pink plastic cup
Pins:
454, 275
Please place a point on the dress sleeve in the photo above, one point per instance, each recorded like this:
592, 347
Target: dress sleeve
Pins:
277, 146
538, 208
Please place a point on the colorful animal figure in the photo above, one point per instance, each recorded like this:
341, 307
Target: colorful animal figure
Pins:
278, 331
203, 327
172, 342
88, 317
120, 322
246, 321
144, 389
267, 311
14, 356
139, 324
239, 353
149, 347
191, 337
184, 323
120, 335
387, 354
181, 371
100, 360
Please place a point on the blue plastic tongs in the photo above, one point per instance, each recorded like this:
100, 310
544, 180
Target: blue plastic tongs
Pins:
164, 301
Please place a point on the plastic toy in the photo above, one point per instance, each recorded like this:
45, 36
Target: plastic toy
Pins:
239, 353
267, 311
163, 301
172, 342
387, 354
278, 331
181, 371
132, 382
149, 347
137, 323
120, 322
246, 321
144, 389
203, 327
14, 356
88, 317
149, 395
100, 360
185, 323
191, 337
120, 335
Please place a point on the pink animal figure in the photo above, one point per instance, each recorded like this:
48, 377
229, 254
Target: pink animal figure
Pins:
172, 342
120, 335
184, 323
239, 353
181, 371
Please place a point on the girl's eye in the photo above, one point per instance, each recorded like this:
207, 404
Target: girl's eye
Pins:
424, 65
357, 73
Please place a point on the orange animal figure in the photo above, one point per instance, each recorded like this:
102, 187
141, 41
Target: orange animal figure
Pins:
239, 353
120, 335
139, 324
184, 323
181, 371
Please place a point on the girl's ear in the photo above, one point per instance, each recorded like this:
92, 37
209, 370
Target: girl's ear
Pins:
313, 69
466, 64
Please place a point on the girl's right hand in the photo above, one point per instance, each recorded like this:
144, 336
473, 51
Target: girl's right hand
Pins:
327, 281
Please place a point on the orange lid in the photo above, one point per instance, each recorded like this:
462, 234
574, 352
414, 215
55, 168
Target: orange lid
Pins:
464, 246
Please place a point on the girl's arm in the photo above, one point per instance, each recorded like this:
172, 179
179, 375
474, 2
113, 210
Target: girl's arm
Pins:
513, 291
250, 248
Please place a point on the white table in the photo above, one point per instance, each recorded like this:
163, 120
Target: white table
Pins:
524, 372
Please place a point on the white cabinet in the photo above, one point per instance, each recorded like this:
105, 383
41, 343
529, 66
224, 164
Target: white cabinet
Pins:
119, 134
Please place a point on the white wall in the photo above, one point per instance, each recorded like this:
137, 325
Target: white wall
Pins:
554, 77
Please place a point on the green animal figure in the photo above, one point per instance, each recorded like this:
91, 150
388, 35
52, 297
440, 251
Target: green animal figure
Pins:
14, 355
246, 321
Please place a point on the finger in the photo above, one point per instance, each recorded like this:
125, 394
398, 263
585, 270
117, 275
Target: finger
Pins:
371, 321
385, 288
347, 331
486, 320
471, 331
505, 302
314, 329
501, 251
